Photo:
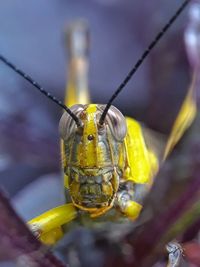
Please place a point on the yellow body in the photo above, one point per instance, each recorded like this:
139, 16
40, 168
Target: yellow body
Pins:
135, 164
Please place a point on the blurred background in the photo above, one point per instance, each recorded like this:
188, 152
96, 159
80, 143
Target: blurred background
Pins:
31, 36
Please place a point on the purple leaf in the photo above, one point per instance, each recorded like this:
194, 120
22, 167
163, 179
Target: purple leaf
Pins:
18, 244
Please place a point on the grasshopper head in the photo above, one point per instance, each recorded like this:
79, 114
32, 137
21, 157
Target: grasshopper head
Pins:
94, 155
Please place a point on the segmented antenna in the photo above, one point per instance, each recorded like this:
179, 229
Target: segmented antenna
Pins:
141, 59
41, 89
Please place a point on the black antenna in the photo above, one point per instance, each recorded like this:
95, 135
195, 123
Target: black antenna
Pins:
141, 59
41, 89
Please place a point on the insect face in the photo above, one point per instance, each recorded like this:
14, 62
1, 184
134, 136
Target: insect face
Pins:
94, 155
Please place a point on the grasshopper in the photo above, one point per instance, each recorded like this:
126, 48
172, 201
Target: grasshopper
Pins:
109, 160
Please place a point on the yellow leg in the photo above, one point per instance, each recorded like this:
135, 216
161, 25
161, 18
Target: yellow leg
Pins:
185, 117
129, 207
132, 210
47, 226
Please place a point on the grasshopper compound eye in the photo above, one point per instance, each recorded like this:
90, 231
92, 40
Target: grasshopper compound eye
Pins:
67, 126
116, 123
